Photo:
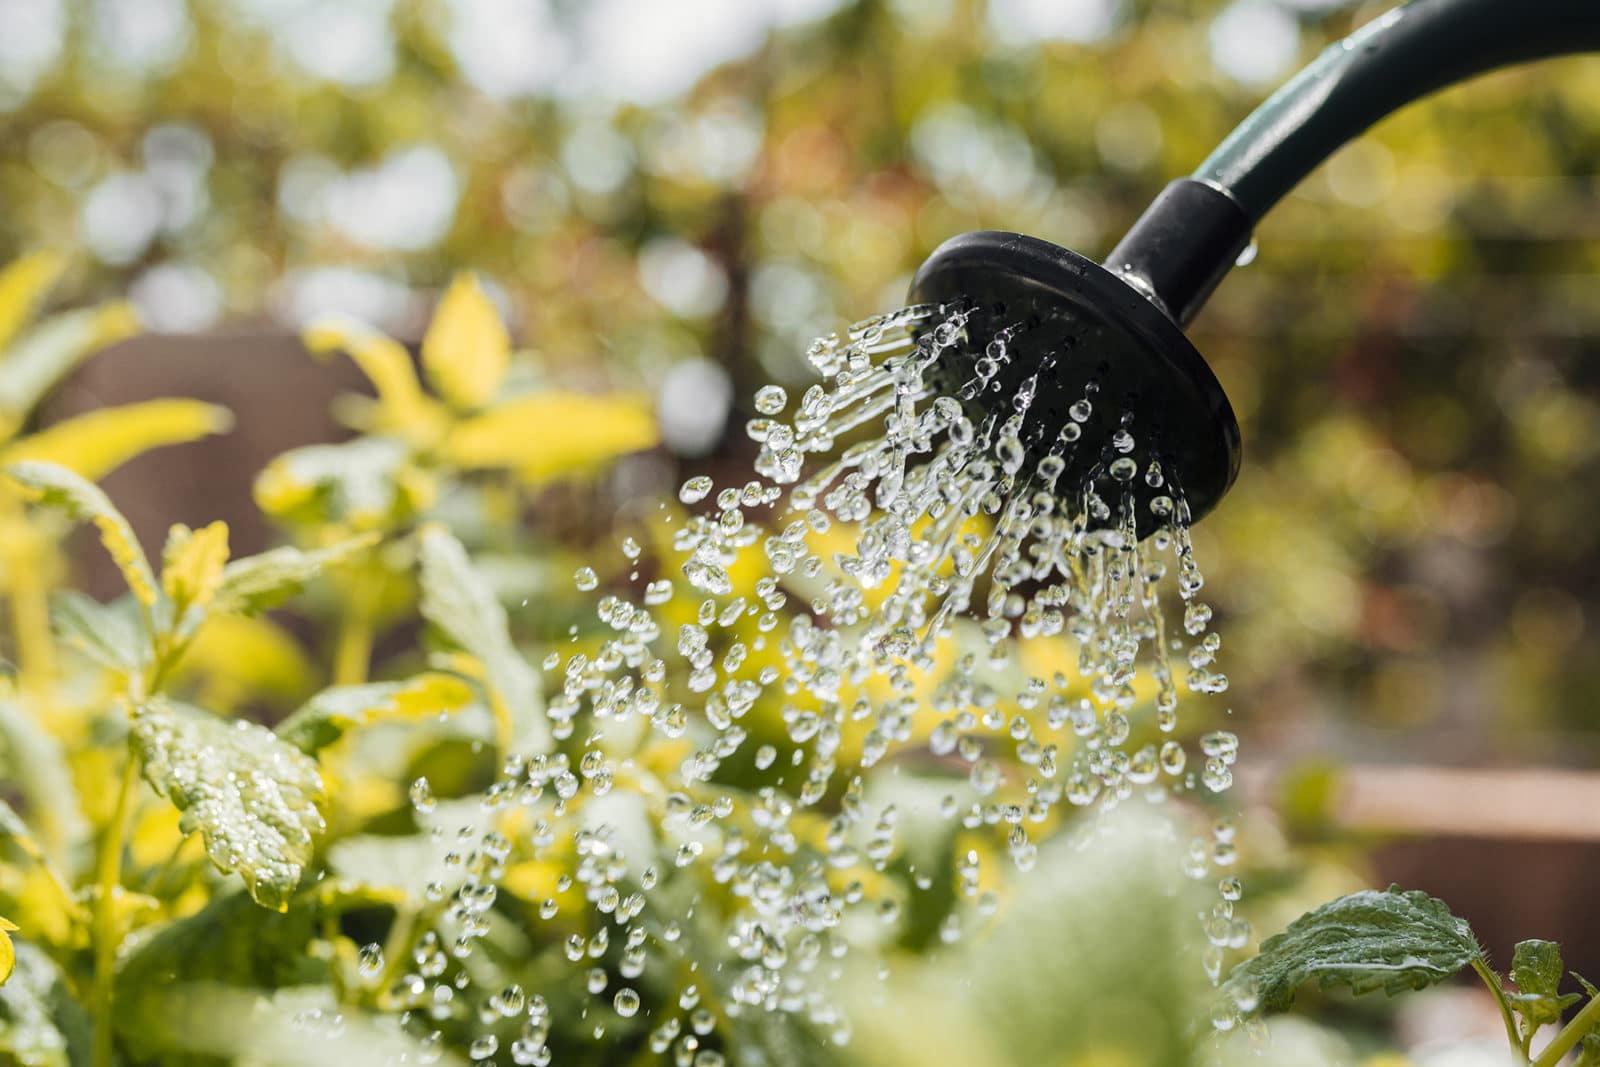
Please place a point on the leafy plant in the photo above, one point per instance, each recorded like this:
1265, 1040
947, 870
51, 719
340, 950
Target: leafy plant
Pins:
1406, 940
103, 886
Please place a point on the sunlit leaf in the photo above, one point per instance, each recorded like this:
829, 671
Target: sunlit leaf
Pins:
467, 348
43, 356
327, 716
404, 409
83, 501
1367, 941
257, 582
24, 284
255, 799
238, 658
192, 563
8, 951
548, 434
457, 600
98, 442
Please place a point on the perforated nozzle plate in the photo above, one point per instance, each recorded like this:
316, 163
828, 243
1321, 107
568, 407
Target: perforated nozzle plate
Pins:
1082, 323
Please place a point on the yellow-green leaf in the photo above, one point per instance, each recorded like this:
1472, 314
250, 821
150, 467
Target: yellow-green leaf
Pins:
237, 658
467, 348
83, 501
457, 600
41, 357
327, 716
549, 434
8, 951
360, 483
24, 283
404, 409
98, 442
256, 800
191, 566
257, 582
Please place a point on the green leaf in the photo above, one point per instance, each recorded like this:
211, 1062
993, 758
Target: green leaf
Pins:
230, 941
110, 634
258, 582
82, 501
405, 864
30, 1005
327, 716
35, 768
1537, 969
278, 1028
255, 799
1536, 966
457, 599
1367, 941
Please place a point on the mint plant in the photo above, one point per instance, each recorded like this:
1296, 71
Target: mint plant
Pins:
1398, 940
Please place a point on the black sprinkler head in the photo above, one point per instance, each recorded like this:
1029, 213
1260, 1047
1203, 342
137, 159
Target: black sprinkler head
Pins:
1088, 332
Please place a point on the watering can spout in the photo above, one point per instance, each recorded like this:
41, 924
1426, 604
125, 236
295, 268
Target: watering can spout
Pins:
1190, 237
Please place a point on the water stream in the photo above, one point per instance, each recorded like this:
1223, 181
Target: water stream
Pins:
844, 645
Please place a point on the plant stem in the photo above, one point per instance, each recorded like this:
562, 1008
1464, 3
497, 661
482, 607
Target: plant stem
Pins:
30, 626
1492, 980
1575, 1031
353, 658
108, 878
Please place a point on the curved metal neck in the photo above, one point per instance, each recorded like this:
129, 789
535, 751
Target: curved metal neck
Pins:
1181, 253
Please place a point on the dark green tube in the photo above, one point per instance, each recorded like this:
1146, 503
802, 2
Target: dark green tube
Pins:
1399, 57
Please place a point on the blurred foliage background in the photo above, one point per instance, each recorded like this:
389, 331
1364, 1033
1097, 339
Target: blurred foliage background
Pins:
677, 197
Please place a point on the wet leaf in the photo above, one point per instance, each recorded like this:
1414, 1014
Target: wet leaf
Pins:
466, 350
258, 582
255, 799
1536, 966
98, 442
457, 600
549, 434
1537, 969
1367, 941
83, 501
327, 716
